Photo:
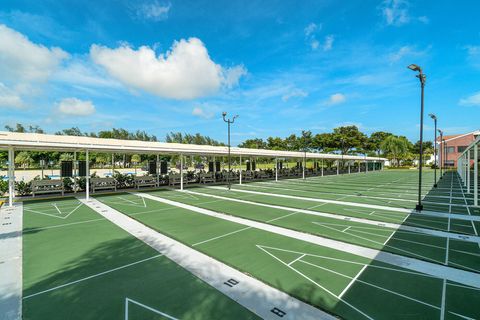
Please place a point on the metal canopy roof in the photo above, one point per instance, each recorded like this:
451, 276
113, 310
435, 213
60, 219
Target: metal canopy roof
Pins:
49, 142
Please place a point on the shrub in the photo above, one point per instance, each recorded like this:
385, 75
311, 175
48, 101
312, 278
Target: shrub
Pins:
23, 188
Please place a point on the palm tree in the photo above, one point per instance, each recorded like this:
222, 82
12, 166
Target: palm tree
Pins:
395, 148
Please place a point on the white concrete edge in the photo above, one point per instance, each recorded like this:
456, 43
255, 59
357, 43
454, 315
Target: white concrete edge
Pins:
432, 269
249, 292
361, 205
11, 268
372, 222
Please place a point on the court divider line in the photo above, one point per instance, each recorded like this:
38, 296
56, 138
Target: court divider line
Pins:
439, 271
372, 222
362, 205
251, 293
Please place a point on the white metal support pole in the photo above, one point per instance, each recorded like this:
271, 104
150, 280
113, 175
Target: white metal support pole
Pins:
214, 170
75, 171
303, 168
366, 166
338, 167
467, 167
158, 171
374, 164
181, 171
87, 178
475, 175
276, 169
359, 165
348, 167
464, 171
322, 168
11, 176
113, 163
240, 170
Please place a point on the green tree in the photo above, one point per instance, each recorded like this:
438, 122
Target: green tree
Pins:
395, 148
23, 159
253, 144
375, 140
347, 138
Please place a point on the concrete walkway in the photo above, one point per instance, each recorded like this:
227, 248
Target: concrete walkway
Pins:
11, 224
265, 301
362, 205
395, 226
432, 269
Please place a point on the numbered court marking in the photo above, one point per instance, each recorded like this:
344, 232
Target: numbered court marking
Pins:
54, 210
129, 301
300, 256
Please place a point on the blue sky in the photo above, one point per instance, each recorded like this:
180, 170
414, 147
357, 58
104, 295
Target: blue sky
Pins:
283, 66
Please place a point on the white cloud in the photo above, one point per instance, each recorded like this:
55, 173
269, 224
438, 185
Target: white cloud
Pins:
231, 76
423, 19
184, 72
23, 60
9, 98
153, 11
406, 51
311, 28
336, 98
473, 100
295, 93
202, 113
77, 107
395, 12
314, 44
327, 46
473, 53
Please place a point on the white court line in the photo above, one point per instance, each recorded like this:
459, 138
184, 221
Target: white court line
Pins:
417, 230
372, 285
352, 281
163, 314
453, 274
315, 283
354, 204
92, 276
251, 293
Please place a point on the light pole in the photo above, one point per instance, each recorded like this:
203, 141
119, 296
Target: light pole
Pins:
343, 146
441, 151
422, 77
229, 122
434, 117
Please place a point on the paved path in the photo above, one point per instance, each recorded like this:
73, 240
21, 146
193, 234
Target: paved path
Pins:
253, 294
362, 205
431, 232
435, 270
11, 224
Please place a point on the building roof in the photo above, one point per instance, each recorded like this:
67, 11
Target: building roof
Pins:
456, 136
48, 142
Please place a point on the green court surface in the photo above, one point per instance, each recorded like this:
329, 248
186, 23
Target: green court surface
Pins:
77, 265
342, 283
421, 246
395, 189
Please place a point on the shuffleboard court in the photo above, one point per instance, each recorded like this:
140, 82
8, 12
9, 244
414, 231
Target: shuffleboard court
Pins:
421, 246
78, 265
345, 284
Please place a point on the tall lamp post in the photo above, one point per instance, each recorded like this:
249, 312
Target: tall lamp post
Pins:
229, 122
441, 151
434, 117
422, 77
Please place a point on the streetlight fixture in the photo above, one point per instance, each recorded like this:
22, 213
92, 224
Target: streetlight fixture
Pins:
422, 77
434, 117
441, 151
229, 122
